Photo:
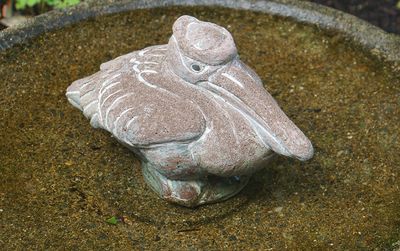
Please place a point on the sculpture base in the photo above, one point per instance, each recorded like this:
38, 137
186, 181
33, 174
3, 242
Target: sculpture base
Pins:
192, 193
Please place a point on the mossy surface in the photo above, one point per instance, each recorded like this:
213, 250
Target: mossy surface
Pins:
61, 181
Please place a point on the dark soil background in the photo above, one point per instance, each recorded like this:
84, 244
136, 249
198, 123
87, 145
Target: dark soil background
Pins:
382, 13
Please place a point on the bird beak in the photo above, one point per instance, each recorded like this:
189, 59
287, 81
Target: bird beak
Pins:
242, 89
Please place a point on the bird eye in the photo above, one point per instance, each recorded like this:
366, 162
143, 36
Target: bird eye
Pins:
196, 67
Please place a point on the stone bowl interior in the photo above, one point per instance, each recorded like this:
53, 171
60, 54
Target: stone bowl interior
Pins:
337, 78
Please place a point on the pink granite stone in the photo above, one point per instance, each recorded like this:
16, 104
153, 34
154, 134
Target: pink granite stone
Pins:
198, 118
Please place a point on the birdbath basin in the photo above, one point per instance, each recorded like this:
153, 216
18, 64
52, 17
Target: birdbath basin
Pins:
66, 185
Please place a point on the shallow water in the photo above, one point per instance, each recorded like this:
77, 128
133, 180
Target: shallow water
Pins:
60, 180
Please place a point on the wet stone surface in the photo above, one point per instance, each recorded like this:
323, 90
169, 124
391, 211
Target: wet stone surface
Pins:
61, 180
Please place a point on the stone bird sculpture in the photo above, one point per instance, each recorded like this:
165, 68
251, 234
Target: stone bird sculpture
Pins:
199, 119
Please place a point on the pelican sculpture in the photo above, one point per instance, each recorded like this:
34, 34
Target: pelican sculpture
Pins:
199, 119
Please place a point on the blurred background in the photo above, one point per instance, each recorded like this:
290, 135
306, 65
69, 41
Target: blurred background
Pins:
382, 13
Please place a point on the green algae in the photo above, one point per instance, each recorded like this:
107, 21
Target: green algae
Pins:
59, 178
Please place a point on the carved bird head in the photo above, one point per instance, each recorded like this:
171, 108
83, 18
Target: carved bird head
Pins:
204, 54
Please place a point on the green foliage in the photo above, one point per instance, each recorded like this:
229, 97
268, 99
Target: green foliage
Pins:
58, 4
398, 5
113, 220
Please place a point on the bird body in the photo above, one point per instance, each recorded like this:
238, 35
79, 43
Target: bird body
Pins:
198, 118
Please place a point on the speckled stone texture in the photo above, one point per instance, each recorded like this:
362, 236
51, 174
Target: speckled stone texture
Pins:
198, 118
61, 180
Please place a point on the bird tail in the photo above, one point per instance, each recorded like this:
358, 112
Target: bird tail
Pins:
83, 94
73, 94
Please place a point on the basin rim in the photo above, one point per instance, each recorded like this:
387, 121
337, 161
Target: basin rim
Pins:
370, 37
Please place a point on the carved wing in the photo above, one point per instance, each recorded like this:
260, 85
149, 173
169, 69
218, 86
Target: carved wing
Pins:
136, 112
140, 113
